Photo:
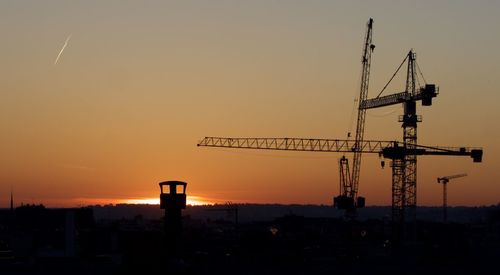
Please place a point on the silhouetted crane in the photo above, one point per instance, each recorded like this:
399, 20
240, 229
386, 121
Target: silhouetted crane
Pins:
444, 181
404, 170
394, 150
349, 181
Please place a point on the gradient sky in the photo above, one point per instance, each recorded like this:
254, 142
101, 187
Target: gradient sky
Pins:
141, 82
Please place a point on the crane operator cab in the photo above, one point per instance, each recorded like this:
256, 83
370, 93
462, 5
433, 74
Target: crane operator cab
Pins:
174, 196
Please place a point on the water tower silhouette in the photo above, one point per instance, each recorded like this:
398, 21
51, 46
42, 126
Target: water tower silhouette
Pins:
173, 200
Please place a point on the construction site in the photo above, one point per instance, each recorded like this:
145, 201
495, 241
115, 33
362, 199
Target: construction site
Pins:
401, 154
403, 234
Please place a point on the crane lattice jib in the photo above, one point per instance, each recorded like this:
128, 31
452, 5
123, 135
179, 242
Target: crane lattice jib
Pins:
454, 176
363, 94
387, 149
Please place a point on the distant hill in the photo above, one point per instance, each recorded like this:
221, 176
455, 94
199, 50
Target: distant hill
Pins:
263, 212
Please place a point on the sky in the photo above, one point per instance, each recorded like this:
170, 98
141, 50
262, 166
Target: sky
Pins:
102, 100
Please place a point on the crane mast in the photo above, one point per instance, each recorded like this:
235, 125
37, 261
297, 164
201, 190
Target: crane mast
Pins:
360, 125
405, 170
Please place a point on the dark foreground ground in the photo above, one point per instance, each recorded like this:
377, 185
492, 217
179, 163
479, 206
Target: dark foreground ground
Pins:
35, 240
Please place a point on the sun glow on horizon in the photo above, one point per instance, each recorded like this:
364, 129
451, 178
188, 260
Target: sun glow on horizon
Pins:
81, 202
190, 200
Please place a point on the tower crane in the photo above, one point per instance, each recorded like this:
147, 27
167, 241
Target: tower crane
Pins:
404, 169
444, 181
396, 151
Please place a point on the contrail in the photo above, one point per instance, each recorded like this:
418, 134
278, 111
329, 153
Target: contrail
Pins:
63, 47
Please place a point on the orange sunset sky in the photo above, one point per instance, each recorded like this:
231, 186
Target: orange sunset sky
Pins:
139, 83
